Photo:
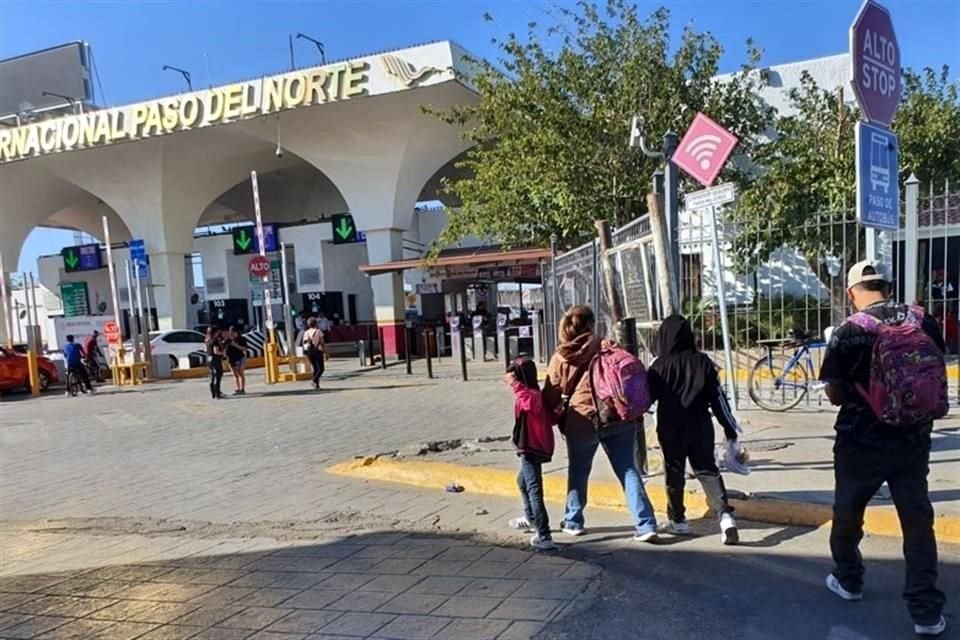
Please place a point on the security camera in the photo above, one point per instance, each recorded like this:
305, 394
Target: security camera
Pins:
279, 151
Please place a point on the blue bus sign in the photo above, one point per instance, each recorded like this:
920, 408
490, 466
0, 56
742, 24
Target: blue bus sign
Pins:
878, 185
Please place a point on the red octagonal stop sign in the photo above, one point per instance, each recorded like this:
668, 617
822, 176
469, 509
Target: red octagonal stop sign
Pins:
259, 267
876, 63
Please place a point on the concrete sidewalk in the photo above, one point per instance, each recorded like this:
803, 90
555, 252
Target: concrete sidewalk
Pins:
790, 459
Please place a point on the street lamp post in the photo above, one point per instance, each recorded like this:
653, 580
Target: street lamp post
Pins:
73, 102
319, 45
183, 72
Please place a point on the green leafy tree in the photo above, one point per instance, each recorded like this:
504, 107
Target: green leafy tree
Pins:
551, 123
804, 190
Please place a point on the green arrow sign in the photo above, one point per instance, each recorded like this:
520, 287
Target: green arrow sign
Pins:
344, 231
71, 259
242, 241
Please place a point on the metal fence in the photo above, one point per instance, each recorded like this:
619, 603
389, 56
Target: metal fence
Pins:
774, 295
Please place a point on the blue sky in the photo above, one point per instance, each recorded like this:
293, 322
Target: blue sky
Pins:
221, 41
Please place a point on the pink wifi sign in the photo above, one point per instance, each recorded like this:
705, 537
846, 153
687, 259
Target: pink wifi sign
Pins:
704, 149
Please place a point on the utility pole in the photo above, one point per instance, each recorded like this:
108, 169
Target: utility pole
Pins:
666, 238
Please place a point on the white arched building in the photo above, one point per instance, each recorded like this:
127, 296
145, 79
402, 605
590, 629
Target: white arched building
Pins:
348, 136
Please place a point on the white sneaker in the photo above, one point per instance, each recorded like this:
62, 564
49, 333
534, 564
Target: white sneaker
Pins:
931, 629
676, 528
834, 585
573, 531
728, 529
542, 544
520, 523
649, 536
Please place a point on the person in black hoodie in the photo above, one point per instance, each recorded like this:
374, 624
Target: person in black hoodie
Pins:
685, 385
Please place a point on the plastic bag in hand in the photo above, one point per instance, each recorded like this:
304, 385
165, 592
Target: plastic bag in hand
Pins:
733, 457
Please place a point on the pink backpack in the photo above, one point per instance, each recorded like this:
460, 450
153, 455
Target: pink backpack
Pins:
908, 373
619, 383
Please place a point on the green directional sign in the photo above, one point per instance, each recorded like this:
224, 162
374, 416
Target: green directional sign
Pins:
243, 240
81, 257
71, 259
344, 231
76, 302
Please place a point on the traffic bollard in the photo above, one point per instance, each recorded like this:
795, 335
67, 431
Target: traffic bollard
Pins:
362, 352
408, 348
463, 355
426, 341
506, 349
383, 351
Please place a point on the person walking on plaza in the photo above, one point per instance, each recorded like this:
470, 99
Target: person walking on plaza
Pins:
685, 385
568, 393
533, 438
884, 368
314, 348
73, 355
214, 346
236, 350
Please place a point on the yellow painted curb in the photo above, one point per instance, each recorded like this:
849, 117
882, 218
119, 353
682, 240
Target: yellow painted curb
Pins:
881, 521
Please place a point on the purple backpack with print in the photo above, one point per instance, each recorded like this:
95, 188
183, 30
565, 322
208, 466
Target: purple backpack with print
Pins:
908, 374
619, 383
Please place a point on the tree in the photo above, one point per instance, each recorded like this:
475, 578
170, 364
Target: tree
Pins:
805, 185
550, 127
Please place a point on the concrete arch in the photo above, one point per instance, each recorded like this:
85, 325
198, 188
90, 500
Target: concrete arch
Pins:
296, 193
432, 188
31, 199
89, 219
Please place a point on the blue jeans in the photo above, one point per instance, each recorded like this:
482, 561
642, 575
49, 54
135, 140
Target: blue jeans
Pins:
530, 482
618, 443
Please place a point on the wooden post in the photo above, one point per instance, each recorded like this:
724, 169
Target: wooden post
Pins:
666, 278
609, 278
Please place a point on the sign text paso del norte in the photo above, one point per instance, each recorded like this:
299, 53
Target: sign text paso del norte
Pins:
205, 108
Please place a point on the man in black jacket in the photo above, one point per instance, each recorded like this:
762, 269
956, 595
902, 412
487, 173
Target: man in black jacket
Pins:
868, 453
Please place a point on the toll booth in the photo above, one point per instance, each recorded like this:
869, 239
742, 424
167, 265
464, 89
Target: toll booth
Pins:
230, 311
330, 303
461, 279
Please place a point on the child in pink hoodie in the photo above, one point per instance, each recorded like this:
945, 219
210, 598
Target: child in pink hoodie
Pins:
533, 438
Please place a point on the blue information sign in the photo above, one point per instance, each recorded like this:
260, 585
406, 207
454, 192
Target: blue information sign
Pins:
878, 185
138, 251
269, 239
138, 256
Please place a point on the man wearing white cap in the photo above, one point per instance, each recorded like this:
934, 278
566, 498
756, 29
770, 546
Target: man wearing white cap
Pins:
884, 368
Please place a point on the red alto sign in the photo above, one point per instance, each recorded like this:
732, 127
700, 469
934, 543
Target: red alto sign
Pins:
111, 330
259, 267
876, 63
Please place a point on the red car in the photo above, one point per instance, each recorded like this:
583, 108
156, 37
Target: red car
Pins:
14, 373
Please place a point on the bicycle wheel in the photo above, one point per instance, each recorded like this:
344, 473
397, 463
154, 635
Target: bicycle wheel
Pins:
774, 387
73, 384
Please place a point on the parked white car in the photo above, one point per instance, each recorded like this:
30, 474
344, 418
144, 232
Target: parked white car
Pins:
176, 343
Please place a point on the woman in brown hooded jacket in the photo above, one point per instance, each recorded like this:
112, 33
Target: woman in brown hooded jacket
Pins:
568, 392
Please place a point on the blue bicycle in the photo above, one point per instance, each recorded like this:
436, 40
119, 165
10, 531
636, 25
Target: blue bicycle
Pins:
779, 383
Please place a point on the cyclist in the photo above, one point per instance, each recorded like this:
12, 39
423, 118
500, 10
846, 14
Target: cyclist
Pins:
870, 450
73, 354
91, 349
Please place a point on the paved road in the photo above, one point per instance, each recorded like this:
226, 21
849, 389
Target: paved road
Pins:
185, 504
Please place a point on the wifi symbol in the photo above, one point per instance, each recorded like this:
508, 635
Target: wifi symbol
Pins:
703, 148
